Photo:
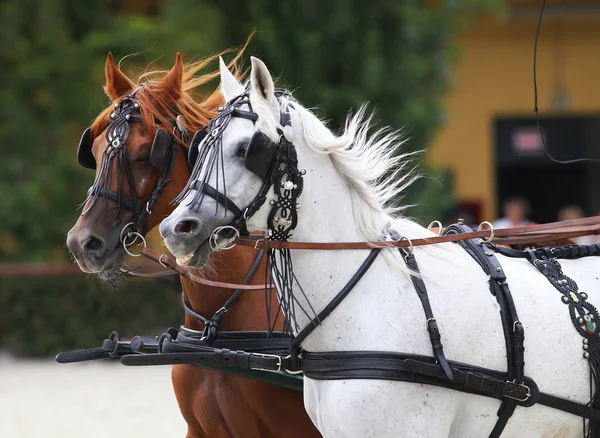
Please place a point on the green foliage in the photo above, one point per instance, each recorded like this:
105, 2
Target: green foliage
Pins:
334, 55
42, 316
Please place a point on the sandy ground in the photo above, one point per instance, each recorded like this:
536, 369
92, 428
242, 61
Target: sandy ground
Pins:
86, 400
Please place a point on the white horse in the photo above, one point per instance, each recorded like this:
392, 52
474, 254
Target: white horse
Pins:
344, 199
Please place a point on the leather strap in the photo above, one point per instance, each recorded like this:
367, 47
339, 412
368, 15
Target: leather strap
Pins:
513, 329
382, 365
524, 234
169, 263
432, 328
559, 252
336, 300
211, 192
221, 357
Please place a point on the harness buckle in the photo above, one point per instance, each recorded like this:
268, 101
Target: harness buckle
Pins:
266, 356
522, 385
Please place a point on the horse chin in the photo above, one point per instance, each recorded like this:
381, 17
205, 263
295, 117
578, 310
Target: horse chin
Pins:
199, 258
107, 268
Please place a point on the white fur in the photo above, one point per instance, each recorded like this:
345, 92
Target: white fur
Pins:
345, 200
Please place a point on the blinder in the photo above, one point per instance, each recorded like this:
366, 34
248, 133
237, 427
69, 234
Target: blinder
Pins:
258, 159
161, 148
159, 153
193, 151
260, 156
84, 151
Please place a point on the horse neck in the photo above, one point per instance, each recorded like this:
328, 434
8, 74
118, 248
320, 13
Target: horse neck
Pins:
248, 310
326, 205
326, 214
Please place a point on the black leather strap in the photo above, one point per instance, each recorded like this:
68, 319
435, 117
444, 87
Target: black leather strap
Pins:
343, 365
579, 409
514, 336
337, 299
211, 192
432, 328
112, 195
559, 252
221, 357
211, 326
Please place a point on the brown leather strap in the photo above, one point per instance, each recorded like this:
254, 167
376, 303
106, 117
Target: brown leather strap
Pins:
523, 234
158, 274
169, 263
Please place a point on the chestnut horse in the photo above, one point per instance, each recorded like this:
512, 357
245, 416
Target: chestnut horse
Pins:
214, 404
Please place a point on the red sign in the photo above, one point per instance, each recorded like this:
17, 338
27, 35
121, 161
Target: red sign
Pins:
527, 141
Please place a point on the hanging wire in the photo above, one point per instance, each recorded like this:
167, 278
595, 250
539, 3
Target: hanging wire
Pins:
535, 100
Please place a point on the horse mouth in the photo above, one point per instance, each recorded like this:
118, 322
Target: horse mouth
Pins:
107, 264
197, 258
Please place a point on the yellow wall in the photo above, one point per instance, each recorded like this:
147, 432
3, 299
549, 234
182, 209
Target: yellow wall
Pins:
494, 77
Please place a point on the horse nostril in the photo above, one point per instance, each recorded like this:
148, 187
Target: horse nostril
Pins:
94, 245
187, 226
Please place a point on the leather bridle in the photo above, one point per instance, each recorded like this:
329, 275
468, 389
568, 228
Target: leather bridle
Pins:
274, 162
162, 156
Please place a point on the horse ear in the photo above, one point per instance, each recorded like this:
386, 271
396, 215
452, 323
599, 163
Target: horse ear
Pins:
261, 80
117, 84
173, 81
230, 87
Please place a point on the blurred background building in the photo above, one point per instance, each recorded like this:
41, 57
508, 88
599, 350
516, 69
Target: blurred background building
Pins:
490, 142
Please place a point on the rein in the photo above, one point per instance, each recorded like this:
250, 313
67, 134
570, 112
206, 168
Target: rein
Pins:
506, 236
171, 264
523, 234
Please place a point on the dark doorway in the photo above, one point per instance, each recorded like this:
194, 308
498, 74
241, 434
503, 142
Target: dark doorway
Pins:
523, 169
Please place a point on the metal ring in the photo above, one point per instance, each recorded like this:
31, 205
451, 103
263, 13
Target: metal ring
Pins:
148, 208
491, 227
161, 262
126, 247
123, 230
212, 241
410, 242
430, 226
244, 215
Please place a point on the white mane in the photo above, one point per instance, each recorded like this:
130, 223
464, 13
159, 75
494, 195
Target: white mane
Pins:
369, 162
372, 165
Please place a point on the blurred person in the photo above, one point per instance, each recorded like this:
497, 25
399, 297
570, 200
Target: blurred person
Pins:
515, 210
569, 212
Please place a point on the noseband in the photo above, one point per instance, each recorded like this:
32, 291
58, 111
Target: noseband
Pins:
276, 163
162, 157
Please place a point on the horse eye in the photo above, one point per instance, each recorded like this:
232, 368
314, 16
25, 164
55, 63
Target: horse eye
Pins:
241, 152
